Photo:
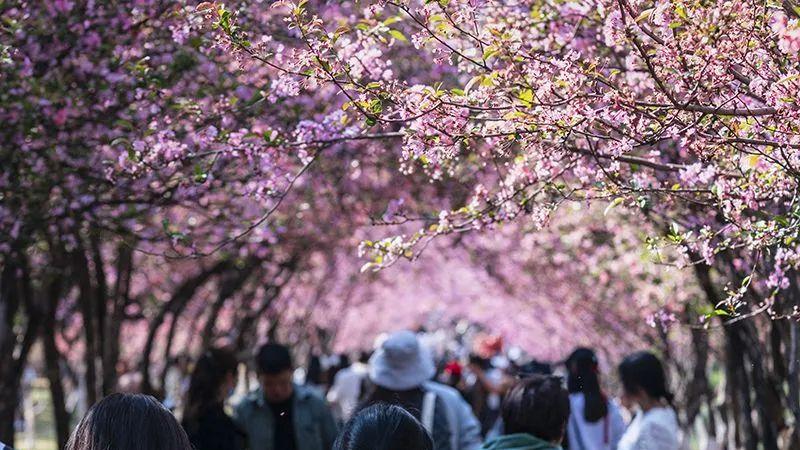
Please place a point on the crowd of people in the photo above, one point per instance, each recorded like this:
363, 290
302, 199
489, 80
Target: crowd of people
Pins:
399, 396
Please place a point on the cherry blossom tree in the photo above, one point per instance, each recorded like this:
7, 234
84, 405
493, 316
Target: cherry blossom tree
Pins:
682, 111
168, 170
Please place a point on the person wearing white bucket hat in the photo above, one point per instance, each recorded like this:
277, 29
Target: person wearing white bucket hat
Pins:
400, 363
398, 370
401, 370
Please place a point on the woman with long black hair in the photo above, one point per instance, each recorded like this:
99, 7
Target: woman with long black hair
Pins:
655, 426
595, 422
212, 382
128, 422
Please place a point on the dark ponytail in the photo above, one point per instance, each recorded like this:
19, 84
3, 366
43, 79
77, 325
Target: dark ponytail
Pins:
643, 372
583, 377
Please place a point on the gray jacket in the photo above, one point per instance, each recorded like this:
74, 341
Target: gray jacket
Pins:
314, 426
465, 430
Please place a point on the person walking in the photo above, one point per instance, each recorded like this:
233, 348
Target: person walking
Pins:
348, 387
128, 422
384, 427
655, 426
204, 419
535, 413
281, 415
398, 371
465, 430
595, 422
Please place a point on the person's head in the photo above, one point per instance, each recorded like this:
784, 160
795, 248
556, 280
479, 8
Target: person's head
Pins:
452, 373
537, 405
314, 370
643, 379
582, 376
128, 422
401, 363
383, 427
534, 367
212, 381
274, 368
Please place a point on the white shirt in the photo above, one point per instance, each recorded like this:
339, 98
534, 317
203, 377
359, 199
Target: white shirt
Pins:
656, 429
346, 390
601, 435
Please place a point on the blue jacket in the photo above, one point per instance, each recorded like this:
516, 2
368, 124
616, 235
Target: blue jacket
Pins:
465, 430
314, 426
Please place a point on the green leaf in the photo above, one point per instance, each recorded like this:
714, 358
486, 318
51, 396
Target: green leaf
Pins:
527, 97
392, 20
681, 12
199, 174
121, 141
122, 123
489, 53
397, 35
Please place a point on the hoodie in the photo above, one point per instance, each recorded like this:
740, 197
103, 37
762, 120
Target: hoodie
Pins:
519, 441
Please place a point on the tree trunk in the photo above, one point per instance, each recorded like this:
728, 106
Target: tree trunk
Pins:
736, 377
767, 399
57, 396
19, 326
793, 366
87, 307
229, 285
698, 387
100, 309
747, 435
173, 308
52, 360
119, 300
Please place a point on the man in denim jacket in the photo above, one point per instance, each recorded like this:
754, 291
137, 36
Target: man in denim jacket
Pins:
280, 415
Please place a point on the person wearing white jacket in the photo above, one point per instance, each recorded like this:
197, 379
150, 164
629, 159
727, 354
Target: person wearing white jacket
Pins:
655, 426
595, 422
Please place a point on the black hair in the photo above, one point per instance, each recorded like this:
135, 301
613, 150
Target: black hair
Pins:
643, 372
582, 377
272, 359
128, 422
484, 363
537, 405
383, 427
363, 356
409, 399
534, 367
314, 371
209, 373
